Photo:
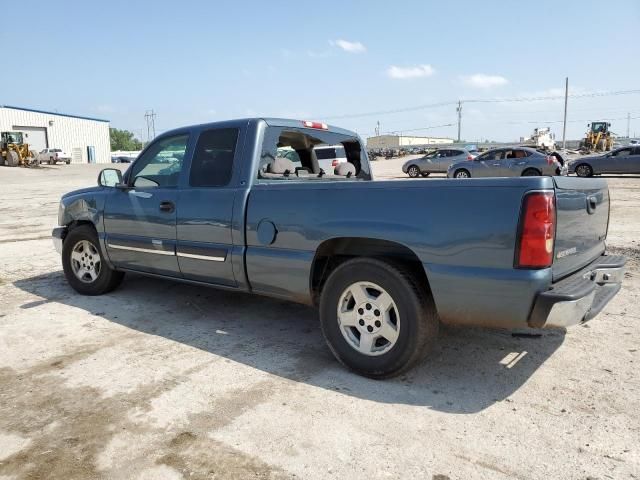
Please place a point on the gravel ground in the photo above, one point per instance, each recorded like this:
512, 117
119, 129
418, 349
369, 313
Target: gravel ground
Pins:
159, 380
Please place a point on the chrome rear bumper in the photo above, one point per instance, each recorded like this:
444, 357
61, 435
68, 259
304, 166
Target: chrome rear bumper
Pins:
580, 297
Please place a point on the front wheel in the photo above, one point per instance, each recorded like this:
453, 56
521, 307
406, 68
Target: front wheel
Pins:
376, 318
584, 170
462, 173
413, 171
83, 265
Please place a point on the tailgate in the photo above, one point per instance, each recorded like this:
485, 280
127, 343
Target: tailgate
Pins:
582, 206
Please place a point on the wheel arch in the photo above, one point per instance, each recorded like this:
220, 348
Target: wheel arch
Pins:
335, 251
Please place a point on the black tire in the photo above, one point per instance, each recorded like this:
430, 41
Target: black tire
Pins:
107, 278
531, 172
461, 173
425, 174
418, 317
413, 171
51, 161
583, 170
68, 162
12, 160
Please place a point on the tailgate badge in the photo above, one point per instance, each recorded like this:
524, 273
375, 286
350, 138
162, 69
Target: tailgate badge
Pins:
567, 252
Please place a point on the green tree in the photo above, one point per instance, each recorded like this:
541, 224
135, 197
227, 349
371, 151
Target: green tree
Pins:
123, 140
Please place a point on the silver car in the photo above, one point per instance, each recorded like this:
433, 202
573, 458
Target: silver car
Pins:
509, 162
435, 162
621, 160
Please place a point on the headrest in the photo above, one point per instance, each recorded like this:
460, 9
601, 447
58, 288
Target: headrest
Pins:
281, 165
344, 169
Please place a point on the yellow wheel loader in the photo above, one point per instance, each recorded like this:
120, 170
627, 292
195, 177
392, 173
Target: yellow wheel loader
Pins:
14, 152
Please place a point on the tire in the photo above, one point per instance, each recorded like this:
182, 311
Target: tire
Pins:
531, 172
51, 161
462, 173
106, 279
12, 159
68, 162
584, 170
425, 174
413, 171
412, 308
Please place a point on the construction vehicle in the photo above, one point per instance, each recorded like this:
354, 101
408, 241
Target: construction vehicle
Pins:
598, 139
14, 152
541, 139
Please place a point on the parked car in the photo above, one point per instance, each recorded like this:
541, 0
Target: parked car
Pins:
437, 161
122, 159
621, 160
53, 156
330, 156
384, 261
508, 162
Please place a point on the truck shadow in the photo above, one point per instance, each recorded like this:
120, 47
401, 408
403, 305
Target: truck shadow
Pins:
470, 369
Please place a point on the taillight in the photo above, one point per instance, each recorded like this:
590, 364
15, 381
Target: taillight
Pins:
537, 231
335, 163
319, 125
550, 159
469, 157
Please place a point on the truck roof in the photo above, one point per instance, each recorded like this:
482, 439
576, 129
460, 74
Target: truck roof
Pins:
272, 122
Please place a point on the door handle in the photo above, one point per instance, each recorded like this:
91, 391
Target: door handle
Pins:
167, 206
592, 203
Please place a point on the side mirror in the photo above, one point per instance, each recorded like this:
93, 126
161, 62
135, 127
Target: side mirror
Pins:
110, 177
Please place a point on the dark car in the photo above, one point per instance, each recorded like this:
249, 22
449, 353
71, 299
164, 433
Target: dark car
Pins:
122, 159
621, 160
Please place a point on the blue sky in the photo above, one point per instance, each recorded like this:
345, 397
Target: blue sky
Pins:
198, 61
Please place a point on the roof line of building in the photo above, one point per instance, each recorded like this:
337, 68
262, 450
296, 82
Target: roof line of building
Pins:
54, 113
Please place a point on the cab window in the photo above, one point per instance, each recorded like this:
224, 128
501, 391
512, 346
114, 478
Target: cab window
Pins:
212, 163
160, 165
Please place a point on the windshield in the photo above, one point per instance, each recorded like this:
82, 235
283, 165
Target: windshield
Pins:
12, 137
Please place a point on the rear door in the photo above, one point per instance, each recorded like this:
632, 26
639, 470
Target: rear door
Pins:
582, 206
634, 161
205, 208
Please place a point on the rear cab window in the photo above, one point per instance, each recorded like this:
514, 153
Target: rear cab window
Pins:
212, 164
290, 153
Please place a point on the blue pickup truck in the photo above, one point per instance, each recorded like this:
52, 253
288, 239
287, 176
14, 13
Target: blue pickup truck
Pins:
385, 261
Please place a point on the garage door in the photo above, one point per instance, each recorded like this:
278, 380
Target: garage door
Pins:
36, 137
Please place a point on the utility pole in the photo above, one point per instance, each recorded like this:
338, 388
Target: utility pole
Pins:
564, 124
378, 128
150, 117
459, 110
628, 124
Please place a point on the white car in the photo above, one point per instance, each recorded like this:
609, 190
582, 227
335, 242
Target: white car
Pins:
53, 155
330, 156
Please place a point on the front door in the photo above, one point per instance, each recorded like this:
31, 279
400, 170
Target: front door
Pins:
205, 209
140, 221
489, 164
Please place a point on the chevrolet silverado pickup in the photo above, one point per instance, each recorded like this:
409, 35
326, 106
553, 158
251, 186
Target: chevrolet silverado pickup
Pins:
385, 261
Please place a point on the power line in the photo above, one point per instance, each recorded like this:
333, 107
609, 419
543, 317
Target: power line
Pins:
480, 100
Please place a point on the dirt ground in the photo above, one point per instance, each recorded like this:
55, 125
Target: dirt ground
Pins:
159, 380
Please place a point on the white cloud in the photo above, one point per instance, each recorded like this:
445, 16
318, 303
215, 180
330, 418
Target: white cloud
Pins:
418, 71
480, 80
351, 47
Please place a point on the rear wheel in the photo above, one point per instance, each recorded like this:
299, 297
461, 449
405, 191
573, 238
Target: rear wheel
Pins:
83, 265
425, 174
413, 171
462, 173
51, 161
68, 162
584, 170
376, 318
531, 172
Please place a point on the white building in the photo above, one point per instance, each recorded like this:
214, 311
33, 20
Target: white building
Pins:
85, 139
397, 141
